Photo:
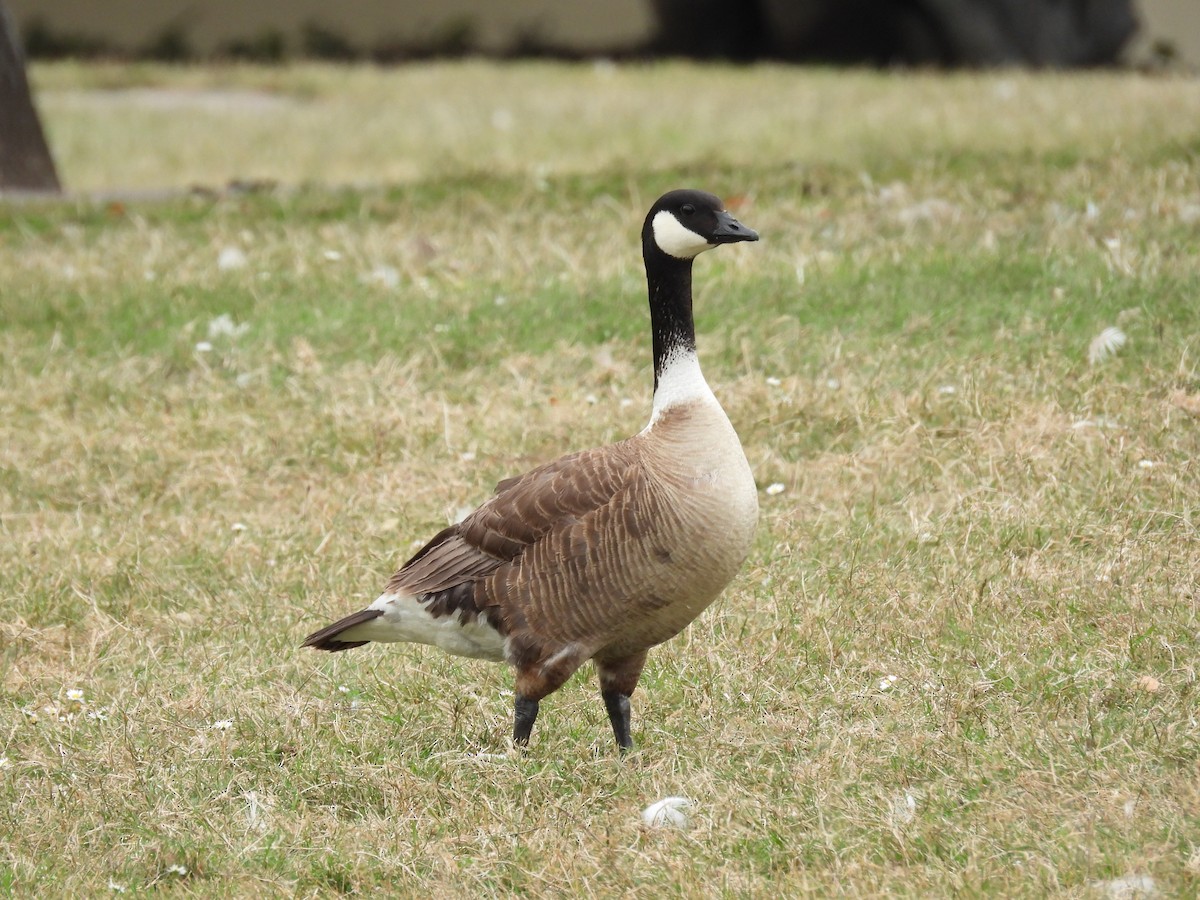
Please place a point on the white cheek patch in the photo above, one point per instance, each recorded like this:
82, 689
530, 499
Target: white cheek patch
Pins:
676, 240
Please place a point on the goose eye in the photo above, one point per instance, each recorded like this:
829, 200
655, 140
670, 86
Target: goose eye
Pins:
687, 209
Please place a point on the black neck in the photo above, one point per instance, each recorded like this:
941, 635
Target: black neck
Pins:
669, 281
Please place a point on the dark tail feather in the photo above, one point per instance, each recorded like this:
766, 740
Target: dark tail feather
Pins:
327, 637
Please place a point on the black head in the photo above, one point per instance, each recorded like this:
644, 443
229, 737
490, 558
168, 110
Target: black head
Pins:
685, 223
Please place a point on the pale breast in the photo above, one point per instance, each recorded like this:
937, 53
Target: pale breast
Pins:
705, 509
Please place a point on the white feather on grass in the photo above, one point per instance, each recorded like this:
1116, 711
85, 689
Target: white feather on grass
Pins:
1128, 888
901, 810
668, 812
1106, 344
224, 326
231, 258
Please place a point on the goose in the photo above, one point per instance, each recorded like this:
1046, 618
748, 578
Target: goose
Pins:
600, 554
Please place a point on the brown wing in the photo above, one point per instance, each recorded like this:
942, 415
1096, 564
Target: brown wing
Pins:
520, 514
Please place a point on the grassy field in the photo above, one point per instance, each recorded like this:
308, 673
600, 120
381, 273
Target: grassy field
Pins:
961, 659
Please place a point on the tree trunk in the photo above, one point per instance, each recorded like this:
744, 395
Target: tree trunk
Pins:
25, 160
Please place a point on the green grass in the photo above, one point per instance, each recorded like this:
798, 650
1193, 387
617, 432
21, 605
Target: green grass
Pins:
961, 659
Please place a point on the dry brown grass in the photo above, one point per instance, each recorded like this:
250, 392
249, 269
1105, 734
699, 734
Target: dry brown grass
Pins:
960, 660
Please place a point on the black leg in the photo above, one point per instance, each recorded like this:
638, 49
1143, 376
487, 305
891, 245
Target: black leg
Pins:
617, 705
524, 715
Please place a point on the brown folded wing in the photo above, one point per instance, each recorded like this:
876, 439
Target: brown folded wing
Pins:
556, 503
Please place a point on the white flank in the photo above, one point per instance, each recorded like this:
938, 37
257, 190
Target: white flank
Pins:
566, 652
675, 239
680, 382
406, 619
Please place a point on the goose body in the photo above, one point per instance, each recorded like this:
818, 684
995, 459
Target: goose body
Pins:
604, 553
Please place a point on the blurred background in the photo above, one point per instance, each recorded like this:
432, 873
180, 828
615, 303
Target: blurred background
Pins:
1149, 35
1058, 33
